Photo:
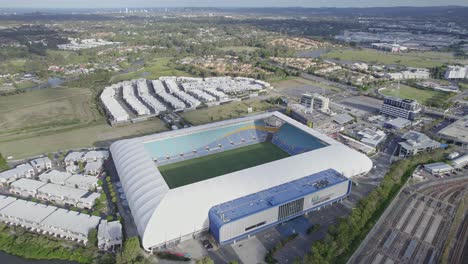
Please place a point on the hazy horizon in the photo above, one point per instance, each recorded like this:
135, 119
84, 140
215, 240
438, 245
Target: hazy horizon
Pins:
214, 3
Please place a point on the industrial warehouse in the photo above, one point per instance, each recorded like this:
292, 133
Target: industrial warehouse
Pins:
233, 177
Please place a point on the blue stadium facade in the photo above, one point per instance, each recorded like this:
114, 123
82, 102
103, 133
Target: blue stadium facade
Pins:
236, 219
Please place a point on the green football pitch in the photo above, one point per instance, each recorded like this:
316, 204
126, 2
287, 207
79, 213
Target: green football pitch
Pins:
203, 168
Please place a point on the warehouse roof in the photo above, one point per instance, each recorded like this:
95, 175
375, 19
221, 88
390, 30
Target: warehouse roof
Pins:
275, 196
398, 123
343, 119
457, 131
438, 166
160, 213
461, 161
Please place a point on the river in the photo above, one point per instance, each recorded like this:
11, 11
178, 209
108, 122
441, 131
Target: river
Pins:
10, 259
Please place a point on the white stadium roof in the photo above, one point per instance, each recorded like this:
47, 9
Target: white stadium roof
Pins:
163, 214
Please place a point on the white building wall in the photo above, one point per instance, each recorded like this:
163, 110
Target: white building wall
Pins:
237, 228
326, 195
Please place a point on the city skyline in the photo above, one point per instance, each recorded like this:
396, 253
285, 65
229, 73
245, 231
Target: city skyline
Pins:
212, 3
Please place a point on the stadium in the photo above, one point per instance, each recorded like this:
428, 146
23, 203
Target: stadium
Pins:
233, 177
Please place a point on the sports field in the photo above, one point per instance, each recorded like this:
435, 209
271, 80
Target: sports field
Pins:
203, 168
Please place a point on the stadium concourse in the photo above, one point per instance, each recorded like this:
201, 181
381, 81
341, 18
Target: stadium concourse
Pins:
211, 177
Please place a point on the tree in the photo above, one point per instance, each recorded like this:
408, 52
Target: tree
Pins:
205, 260
130, 251
3, 163
92, 238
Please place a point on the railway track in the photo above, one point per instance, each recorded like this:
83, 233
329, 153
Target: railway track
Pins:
457, 252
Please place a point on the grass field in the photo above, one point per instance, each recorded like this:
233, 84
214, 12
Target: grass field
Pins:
411, 59
226, 111
54, 119
203, 168
45, 109
153, 69
65, 138
300, 82
421, 95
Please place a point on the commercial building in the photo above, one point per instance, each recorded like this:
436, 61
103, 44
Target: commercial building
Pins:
236, 219
438, 168
456, 132
397, 123
415, 142
397, 107
315, 101
395, 48
372, 137
166, 213
109, 235
46, 219
456, 72
41, 164
410, 73
460, 162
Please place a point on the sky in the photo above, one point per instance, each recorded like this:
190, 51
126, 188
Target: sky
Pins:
221, 3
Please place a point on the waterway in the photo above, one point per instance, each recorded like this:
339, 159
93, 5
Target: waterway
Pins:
51, 82
11, 259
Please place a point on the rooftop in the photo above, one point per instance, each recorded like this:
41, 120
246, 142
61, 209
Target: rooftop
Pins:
55, 176
74, 156
110, 230
27, 184
416, 140
72, 221
40, 161
277, 195
71, 193
398, 122
30, 211
457, 131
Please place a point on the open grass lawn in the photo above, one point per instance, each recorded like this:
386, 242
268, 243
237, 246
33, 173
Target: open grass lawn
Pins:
98, 134
226, 111
411, 59
45, 109
153, 70
409, 92
203, 168
300, 82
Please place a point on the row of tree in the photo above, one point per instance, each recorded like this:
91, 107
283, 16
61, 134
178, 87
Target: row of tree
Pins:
343, 239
